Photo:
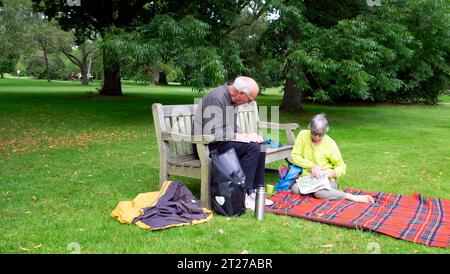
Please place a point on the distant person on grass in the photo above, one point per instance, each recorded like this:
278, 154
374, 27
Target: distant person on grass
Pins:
216, 115
319, 155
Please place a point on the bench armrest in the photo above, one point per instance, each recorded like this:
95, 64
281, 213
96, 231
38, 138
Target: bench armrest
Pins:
289, 126
193, 139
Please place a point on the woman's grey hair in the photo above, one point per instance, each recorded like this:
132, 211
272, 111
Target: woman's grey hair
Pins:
242, 85
318, 124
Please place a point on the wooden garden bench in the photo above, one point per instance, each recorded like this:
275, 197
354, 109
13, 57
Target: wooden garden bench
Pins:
173, 124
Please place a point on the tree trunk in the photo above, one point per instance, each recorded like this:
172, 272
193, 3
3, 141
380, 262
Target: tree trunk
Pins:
45, 50
1, 74
84, 65
162, 79
90, 65
157, 77
111, 84
84, 77
111, 72
153, 74
292, 98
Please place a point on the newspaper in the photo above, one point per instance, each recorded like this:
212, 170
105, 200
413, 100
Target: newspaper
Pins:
310, 184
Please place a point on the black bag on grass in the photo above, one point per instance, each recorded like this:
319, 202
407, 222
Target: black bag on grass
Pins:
228, 184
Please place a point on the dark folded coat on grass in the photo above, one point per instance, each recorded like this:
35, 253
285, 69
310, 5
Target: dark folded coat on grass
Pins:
173, 205
413, 218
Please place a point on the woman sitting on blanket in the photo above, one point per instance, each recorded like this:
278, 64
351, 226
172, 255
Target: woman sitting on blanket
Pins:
319, 156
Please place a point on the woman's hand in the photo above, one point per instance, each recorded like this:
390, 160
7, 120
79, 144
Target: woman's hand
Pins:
331, 173
316, 171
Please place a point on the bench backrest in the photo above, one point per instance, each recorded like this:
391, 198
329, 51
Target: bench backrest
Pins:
180, 118
248, 117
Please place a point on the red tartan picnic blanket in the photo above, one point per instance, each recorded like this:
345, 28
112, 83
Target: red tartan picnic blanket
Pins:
413, 218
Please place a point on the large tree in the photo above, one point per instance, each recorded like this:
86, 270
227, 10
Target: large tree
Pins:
348, 51
80, 54
294, 23
110, 17
89, 18
14, 16
48, 36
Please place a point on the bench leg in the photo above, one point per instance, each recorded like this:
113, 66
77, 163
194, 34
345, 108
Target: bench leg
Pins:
205, 169
163, 176
276, 171
205, 195
271, 170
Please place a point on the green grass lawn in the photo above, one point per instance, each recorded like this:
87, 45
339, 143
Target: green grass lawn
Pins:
444, 99
67, 158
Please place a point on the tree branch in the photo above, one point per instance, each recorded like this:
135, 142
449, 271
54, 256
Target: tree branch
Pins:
251, 20
72, 58
243, 5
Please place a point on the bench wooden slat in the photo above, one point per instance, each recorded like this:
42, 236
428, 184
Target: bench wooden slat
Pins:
192, 163
176, 129
241, 122
255, 118
190, 172
247, 107
178, 110
275, 154
248, 120
251, 122
188, 130
182, 128
245, 120
172, 149
191, 139
185, 160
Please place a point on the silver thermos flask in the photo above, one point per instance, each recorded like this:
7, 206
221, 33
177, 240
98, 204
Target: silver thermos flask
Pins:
260, 203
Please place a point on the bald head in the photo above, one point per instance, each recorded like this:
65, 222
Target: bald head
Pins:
246, 85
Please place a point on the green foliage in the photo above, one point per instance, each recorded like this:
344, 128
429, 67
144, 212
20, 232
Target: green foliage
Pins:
333, 51
26, 35
13, 27
142, 37
428, 73
8, 63
167, 44
59, 68
398, 52
354, 60
92, 17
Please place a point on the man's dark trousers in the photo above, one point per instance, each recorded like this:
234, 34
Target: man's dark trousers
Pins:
252, 157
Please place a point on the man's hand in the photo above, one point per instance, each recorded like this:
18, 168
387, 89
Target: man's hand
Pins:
251, 137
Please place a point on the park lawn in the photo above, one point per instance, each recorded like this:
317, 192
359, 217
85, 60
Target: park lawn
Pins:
68, 157
445, 98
